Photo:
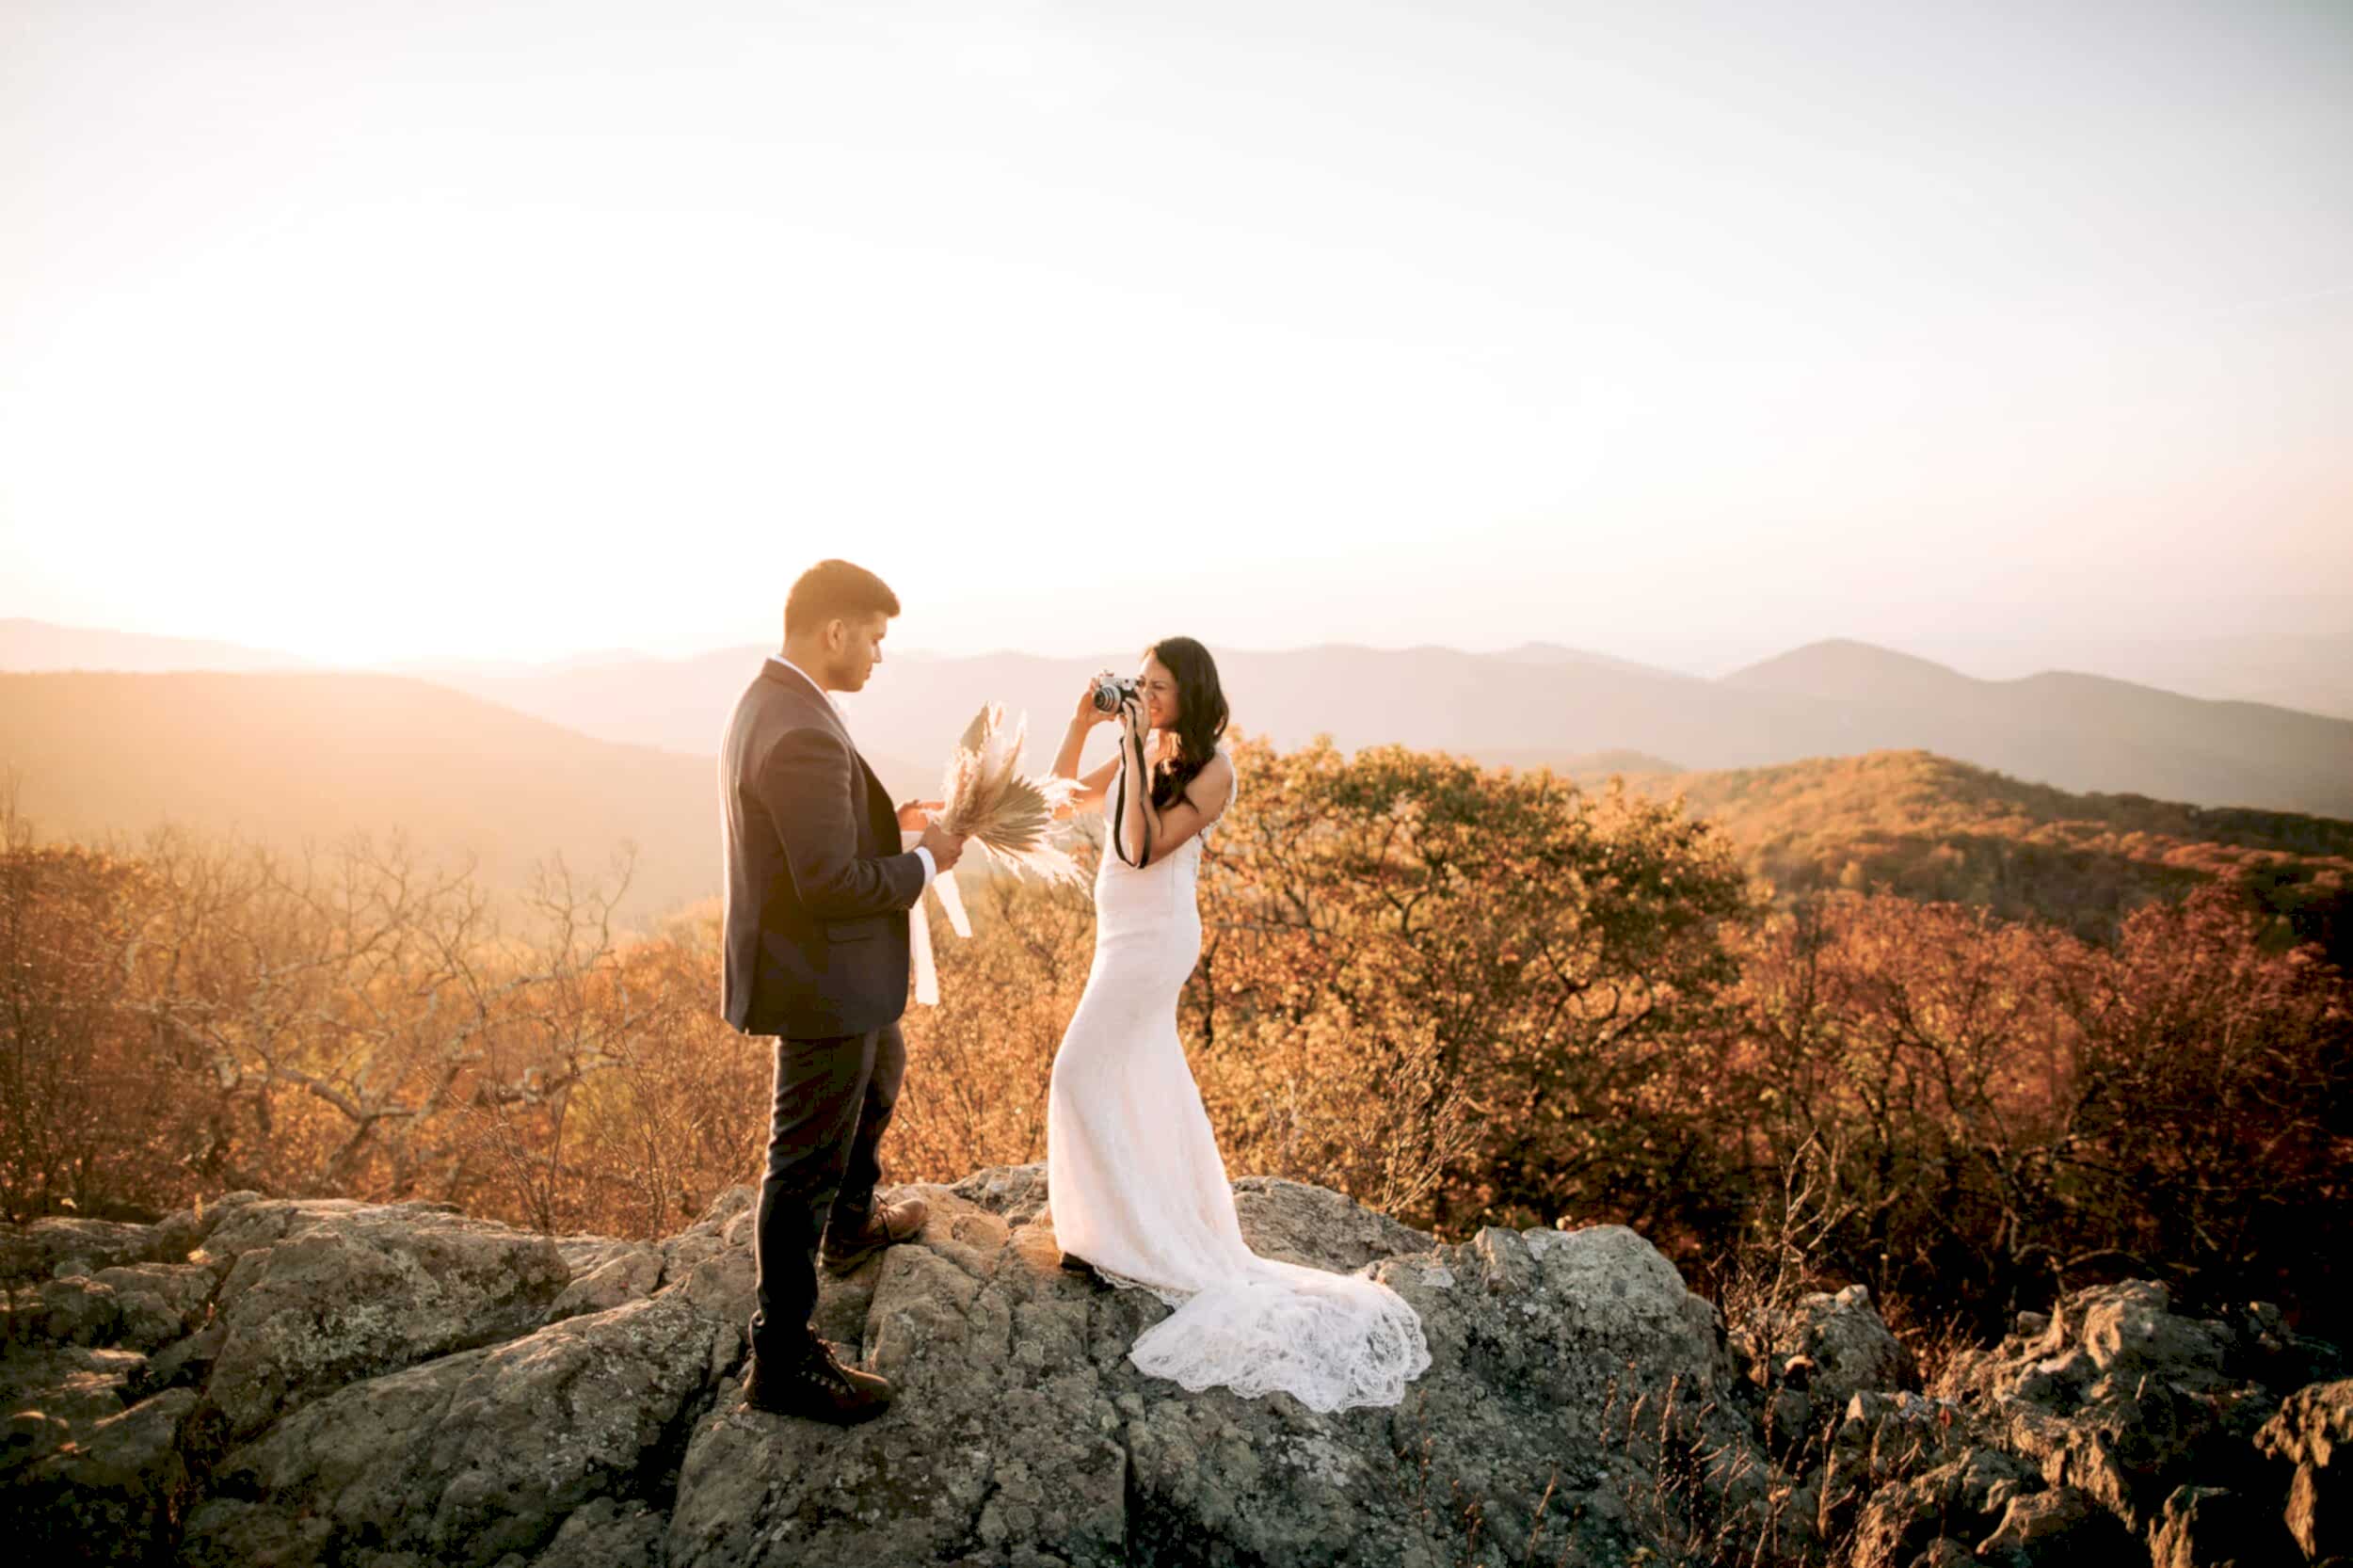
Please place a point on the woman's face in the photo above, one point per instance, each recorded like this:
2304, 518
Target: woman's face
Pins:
1162, 704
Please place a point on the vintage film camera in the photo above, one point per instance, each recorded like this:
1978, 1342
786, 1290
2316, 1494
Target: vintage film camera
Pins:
1111, 690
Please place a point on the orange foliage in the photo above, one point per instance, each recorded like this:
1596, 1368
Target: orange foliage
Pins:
1462, 996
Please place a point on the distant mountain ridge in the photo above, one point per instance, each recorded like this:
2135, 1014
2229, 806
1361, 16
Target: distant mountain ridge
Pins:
1856, 671
41, 645
1542, 703
1890, 792
1553, 653
281, 758
2072, 732
284, 758
1931, 829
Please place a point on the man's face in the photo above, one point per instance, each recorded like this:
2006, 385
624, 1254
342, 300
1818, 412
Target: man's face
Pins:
859, 652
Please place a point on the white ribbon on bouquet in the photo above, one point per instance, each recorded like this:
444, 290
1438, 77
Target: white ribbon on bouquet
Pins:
919, 925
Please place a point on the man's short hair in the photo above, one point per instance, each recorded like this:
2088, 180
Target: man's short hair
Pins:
836, 590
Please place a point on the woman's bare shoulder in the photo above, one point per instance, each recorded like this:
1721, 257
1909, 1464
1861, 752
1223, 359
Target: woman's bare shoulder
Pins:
1213, 786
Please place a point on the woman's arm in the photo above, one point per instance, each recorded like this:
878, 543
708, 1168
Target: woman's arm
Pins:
1213, 787
1089, 794
1093, 790
1131, 841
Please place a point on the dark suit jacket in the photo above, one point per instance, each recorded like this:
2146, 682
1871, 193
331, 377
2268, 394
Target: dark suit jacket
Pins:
815, 930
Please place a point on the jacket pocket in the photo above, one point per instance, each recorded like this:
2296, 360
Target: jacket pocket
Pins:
863, 929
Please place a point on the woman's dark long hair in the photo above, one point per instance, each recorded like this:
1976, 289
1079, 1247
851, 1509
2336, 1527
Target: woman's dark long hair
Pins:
1201, 716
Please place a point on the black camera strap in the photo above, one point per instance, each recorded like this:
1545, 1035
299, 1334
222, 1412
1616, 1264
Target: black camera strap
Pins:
1119, 813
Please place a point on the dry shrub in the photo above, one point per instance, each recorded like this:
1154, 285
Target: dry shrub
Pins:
979, 1065
1463, 997
1502, 966
2015, 1112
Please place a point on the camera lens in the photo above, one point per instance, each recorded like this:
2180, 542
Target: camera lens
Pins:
1111, 690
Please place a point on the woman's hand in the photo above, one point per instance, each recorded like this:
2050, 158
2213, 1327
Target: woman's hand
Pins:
917, 815
1135, 740
1139, 823
1089, 715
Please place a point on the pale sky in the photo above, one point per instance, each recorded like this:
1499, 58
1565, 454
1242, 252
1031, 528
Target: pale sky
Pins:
373, 330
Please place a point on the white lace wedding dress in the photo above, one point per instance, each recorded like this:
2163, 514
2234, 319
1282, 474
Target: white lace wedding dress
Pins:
1137, 1187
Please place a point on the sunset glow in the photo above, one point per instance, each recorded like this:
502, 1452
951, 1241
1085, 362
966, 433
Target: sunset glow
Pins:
375, 332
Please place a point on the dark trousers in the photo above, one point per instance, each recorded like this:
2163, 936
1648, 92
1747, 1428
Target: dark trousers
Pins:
833, 1098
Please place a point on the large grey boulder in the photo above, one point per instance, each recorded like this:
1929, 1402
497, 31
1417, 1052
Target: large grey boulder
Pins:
1301, 1222
2213, 1527
2313, 1431
1823, 1349
322, 1295
1021, 1433
108, 1495
608, 1278
74, 1310
332, 1382
476, 1455
2056, 1527
372, 1386
61, 1246
2119, 1395
157, 1302
2111, 1429
54, 1395
1964, 1497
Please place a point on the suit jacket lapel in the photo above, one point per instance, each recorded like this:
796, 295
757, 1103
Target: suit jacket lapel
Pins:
878, 803
879, 806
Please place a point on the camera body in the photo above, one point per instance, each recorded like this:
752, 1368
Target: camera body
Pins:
1110, 691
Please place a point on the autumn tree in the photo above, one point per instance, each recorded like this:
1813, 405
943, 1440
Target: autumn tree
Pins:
1398, 928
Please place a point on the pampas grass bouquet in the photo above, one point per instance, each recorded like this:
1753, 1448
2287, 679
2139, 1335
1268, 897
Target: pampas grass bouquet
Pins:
1004, 813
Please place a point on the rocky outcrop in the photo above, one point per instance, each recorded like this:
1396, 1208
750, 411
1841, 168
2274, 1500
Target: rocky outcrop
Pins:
314, 1382
1816, 1354
316, 1296
2111, 1430
297, 1381
2313, 1431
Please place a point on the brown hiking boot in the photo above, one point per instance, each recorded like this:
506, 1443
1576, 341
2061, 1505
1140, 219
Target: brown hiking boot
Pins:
891, 1222
816, 1385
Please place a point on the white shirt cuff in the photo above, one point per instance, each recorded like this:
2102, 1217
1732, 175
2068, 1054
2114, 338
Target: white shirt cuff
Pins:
930, 869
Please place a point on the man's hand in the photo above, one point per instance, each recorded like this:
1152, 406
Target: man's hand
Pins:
918, 814
946, 847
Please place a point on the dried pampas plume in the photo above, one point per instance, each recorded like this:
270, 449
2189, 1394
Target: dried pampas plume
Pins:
1007, 815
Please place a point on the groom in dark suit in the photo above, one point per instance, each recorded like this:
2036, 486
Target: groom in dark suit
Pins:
816, 949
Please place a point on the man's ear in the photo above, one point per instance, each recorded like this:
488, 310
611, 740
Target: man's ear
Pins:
837, 635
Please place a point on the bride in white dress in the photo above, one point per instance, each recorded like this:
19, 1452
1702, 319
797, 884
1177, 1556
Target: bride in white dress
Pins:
1135, 1184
